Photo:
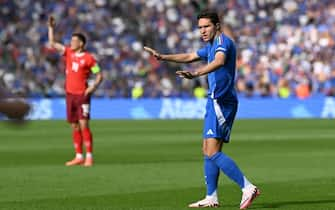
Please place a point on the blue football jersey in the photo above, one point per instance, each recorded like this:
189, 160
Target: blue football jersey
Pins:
221, 81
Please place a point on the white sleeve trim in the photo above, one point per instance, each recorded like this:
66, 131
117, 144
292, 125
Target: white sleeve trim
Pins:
221, 49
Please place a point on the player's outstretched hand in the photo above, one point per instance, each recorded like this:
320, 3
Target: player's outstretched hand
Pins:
51, 21
153, 52
186, 74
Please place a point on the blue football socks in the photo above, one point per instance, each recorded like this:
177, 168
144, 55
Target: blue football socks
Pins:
211, 171
229, 167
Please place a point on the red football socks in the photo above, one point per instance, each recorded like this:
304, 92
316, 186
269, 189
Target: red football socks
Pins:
77, 141
88, 140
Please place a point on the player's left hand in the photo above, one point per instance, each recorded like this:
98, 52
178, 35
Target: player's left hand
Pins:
187, 74
153, 52
89, 91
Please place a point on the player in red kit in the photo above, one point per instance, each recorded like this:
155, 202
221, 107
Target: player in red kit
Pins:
79, 66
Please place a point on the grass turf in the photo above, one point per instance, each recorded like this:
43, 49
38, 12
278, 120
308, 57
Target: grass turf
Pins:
157, 165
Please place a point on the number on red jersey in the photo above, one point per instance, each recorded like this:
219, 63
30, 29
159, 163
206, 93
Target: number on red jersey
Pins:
75, 66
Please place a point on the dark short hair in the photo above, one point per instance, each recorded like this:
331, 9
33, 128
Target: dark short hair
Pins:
81, 37
210, 14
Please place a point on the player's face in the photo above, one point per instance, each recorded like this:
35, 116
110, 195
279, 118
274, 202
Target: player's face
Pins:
207, 29
76, 44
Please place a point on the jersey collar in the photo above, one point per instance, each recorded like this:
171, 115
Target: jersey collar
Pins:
80, 54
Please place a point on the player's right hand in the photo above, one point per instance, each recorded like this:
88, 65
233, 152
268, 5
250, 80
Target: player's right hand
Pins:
187, 74
153, 52
51, 21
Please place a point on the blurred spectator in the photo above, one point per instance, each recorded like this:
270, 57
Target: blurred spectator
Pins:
199, 91
303, 90
284, 90
137, 91
285, 48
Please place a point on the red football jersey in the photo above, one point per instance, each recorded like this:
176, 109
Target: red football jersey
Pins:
78, 70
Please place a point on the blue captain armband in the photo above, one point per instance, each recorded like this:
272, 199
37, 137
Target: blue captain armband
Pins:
95, 69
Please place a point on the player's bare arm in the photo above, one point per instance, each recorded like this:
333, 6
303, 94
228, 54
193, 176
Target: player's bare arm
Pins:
51, 27
212, 66
98, 79
178, 58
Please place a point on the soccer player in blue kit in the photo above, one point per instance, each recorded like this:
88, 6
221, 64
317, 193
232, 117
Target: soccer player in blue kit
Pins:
221, 108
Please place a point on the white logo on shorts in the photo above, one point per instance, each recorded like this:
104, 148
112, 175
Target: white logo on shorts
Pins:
86, 109
209, 132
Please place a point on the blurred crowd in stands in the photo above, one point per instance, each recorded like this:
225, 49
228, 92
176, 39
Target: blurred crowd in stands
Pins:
286, 48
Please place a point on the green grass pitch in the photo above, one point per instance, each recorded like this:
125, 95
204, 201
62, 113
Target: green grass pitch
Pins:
157, 165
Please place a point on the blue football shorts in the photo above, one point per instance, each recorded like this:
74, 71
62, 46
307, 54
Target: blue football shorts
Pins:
219, 119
